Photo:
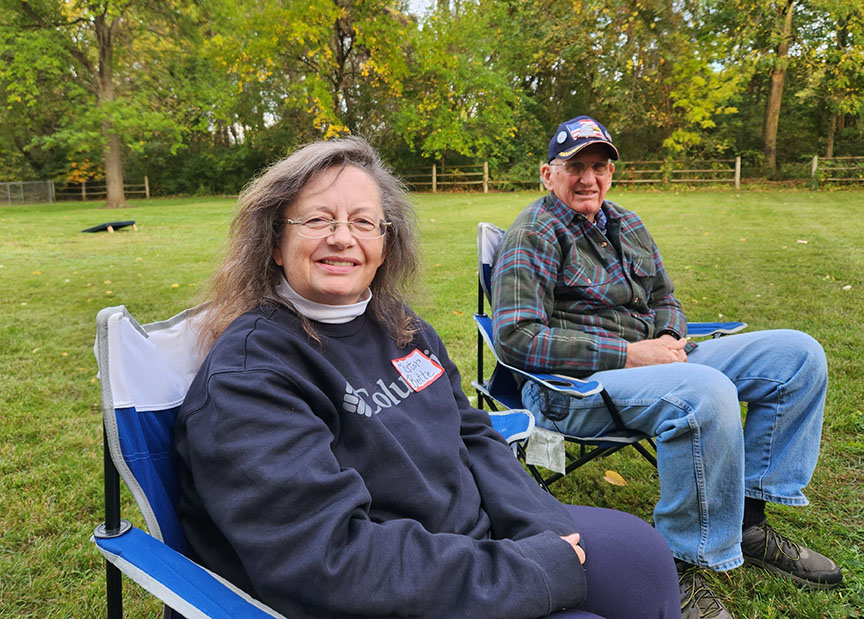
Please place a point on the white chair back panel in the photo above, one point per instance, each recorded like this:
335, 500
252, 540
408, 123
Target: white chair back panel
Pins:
152, 371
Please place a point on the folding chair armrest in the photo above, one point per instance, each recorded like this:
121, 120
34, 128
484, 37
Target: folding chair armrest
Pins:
514, 425
180, 583
557, 382
714, 329
565, 384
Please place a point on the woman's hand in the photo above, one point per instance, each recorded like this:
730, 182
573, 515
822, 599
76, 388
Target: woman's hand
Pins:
573, 540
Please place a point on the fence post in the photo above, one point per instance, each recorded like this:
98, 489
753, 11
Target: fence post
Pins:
485, 177
9, 193
146, 187
542, 186
738, 172
83, 190
434, 178
814, 168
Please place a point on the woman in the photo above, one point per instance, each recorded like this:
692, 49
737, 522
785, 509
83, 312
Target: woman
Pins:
332, 465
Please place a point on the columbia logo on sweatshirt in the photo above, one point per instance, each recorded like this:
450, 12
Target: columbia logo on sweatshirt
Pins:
417, 371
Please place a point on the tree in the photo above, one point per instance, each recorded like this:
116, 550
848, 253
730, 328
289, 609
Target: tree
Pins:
92, 49
457, 95
785, 11
646, 68
316, 70
38, 92
836, 64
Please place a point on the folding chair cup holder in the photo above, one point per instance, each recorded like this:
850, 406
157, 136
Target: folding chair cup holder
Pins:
502, 387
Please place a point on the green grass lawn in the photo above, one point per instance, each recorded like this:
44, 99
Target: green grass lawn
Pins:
773, 259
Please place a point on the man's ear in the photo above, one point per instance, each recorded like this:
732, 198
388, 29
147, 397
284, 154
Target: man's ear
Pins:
546, 176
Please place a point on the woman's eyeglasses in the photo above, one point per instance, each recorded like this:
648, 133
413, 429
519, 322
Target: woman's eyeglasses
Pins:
318, 228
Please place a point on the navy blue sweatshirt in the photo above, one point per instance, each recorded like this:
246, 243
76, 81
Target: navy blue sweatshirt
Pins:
351, 478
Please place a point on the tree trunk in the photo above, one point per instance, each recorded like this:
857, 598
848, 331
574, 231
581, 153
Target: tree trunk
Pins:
111, 142
832, 130
775, 92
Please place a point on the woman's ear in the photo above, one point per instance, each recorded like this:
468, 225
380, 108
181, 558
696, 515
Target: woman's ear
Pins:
277, 255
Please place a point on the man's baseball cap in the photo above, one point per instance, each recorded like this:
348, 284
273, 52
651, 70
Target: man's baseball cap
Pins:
574, 135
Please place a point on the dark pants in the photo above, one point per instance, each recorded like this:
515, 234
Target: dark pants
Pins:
628, 566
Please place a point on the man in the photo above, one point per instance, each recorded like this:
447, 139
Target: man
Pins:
579, 288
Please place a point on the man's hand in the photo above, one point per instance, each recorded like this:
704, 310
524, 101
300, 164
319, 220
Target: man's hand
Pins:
573, 540
664, 349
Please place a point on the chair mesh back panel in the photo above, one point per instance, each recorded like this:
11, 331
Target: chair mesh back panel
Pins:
146, 442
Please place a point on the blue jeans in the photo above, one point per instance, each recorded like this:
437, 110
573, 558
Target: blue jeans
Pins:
706, 461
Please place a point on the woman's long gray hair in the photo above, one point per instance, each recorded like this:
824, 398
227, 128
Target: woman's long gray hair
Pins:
248, 276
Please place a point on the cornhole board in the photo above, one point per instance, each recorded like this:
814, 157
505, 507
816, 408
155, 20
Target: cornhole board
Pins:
111, 226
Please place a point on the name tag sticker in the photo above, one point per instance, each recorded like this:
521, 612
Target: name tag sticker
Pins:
418, 370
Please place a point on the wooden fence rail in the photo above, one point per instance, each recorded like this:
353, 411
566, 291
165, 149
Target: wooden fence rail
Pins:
91, 190
459, 176
640, 172
837, 170
626, 172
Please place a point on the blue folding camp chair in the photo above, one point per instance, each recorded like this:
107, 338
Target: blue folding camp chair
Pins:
502, 386
145, 372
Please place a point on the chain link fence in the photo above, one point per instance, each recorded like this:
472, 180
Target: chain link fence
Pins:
26, 192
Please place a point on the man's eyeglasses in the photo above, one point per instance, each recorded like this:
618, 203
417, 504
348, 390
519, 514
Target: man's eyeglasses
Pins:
577, 168
318, 227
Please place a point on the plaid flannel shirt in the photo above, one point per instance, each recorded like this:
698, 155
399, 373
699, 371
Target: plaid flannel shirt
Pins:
567, 298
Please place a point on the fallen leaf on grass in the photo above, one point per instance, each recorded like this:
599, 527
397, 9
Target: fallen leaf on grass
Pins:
614, 478
847, 287
800, 242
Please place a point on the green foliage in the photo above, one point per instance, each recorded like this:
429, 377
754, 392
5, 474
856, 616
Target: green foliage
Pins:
703, 92
459, 98
208, 91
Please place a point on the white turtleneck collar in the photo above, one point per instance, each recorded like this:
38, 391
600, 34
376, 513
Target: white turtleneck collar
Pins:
319, 312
